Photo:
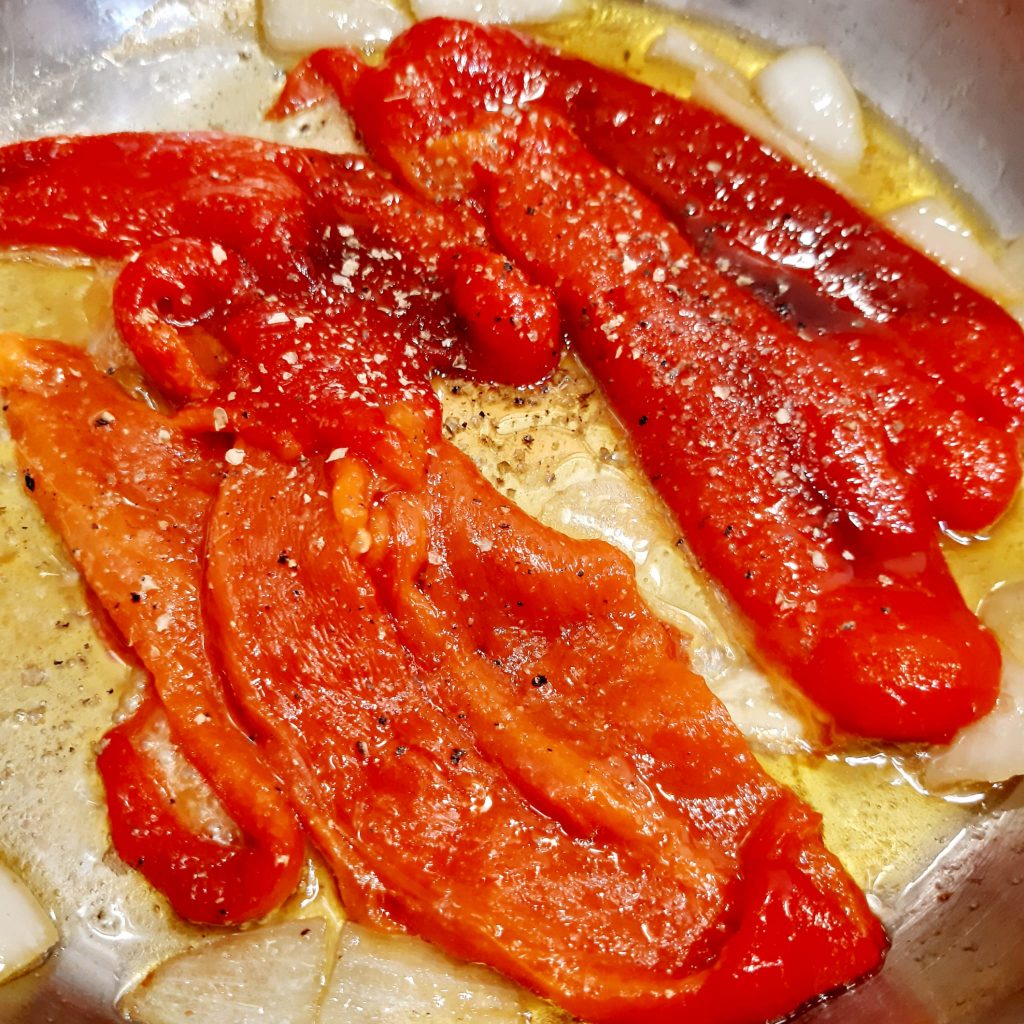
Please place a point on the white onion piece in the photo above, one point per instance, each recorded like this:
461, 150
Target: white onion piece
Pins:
992, 749
26, 932
298, 26
397, 979
1012, 264
1003, 612
808, 94
754, 705
932, 226
493, 12
268, 974
679, 47
733, 98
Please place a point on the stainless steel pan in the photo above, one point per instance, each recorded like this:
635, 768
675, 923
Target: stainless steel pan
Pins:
952, 73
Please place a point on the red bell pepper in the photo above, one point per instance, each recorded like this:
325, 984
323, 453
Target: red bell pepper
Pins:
212, 214
942, 363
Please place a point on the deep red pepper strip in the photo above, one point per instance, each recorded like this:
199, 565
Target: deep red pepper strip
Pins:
673, 149
714, 448
171, 284
288, 216
129, 496
780, 224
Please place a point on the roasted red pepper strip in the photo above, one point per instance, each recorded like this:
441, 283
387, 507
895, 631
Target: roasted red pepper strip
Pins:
129, 496
223, 212
776, 222
671, 148
593, 922
885, 645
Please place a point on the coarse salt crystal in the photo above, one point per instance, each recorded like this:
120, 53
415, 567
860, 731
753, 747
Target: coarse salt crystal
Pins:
234, 456
218, 253
220, 418
337, 453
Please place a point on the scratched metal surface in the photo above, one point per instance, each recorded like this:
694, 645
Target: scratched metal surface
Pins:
951, 72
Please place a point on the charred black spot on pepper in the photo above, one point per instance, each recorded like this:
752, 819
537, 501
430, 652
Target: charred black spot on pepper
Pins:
400, 751
30, 481
136, 597
282, 559
539, 681
642, 421
458, 755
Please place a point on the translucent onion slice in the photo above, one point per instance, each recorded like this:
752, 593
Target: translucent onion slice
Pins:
733, 98
26, 932
808, 94
934, 227
677, 46
269, 974
759, 712
298, 26
397, 979
992, 750
494, 12
1012, 265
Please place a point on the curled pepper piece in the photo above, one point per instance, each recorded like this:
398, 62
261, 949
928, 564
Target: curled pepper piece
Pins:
129, 496
173, 286
152, 830
357, 711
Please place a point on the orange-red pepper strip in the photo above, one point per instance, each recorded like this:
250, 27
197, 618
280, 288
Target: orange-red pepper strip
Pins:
129, 495
425, 830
